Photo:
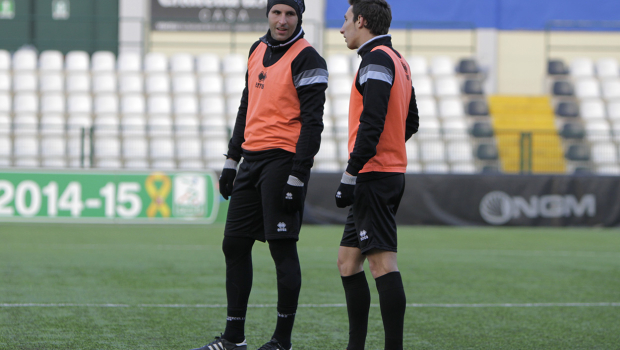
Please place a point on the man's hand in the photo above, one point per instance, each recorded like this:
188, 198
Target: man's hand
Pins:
345, 195
227, 178
293, 194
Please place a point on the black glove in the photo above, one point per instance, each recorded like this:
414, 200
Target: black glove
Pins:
345, 195
293, 194
227, 178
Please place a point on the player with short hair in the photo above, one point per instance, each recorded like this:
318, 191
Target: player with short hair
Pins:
278, 133
383, 115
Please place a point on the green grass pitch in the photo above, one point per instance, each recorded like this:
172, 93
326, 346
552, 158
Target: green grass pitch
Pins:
162, 287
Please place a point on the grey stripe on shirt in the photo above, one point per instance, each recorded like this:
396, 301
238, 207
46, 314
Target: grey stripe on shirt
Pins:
309, 77
376, 72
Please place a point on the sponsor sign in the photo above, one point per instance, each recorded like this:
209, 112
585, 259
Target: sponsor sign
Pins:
109, 197
61, 9
7, 9
209, 15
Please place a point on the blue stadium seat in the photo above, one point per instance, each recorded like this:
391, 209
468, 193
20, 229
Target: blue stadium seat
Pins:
567, 109
573, 131
578, 153
556, 67
478, 108
482, 129
487, 152
563, 88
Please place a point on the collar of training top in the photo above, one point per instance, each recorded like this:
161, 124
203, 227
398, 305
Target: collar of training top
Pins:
274, 44
381, 40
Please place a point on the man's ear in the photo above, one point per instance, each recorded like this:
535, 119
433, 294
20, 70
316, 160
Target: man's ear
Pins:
361, 22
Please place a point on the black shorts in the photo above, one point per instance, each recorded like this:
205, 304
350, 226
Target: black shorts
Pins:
256, 207
371, 223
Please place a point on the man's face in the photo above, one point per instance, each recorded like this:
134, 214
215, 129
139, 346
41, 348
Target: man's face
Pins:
282, 22
350, 30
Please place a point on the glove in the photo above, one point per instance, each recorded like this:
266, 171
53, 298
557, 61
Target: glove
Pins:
345, 195
227, 178
293, 195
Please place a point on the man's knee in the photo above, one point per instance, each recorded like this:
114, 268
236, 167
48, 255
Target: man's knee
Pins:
235, 247
382, 262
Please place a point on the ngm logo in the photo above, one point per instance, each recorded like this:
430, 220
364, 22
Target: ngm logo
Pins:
498, 208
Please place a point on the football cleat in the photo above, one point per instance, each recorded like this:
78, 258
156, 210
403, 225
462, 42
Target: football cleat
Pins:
273, 344
222, 344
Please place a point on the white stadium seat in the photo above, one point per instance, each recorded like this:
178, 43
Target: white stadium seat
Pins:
182, 63
157, 83
133, 125
192, 165
77, 122
161, 148
582, 68
51, 82
130, 83
184, 84
77, 61
432, 151
211, 84
436, 168
451, 108
608, 170
604, 153
25, 124
25, 82
26, 146
208, 63
135, 148
460, 151
442, 65
5, 124
611, 89
598, 130
414, 168
338, 65
418, 65
340, 86
79, 103
52, 124
5, 103
160, 126
5, 81
159, 104
328, 151
129, 62
455, 129
185, 104
447, 86
607, 68
186, 125
107, 147
78, 82
587, 88
74, 149
25, 60
5, 60
25, 103
215, 148
106, 125
613, 110
413, 151
53, 147
463, 168
232, 105
592, 109
340, 107
234, 84
429, 129
51, 61
423, 86
155, 62
103, 61
214, 126
188, 148
53, 103
104, 82
234, 64
214, 105
6, 147
133, 104
136, 164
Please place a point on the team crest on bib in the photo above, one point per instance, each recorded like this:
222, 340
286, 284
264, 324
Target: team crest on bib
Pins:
261, 80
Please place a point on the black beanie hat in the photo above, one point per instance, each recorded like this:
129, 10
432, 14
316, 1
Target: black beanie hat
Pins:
298, 5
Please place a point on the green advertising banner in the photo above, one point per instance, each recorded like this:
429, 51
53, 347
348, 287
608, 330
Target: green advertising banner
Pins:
158, 197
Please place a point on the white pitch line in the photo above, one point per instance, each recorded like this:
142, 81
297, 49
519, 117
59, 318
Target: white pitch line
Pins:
220, 306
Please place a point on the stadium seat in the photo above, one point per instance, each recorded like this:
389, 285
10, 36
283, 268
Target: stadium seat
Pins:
25, 82
232, 105
161, 148
53, 147
135, 148
573, 131
182, 63
50, 82
133, 125
131, 83
327, 108
25, 60
26, 146
104, 82
188, 148
234, 64
442, 65
436, 168
427, 107
78, 82
74, 149
52, 124
160, 125
155, 62
432, 151
53, 103
611, 89
133, 104
356, 61
455, 129
460, 151
478, 108
339, 65
567, 109
341, 128
613, 110
413, 168
234, 84
463, 168
450, 108
106, 125
185, 84
326, 166
487, 152
423, 86
187, 125
6, 149
447, 86
135, 164
418, 65
587, 88
328, 151
5, 124
582, 68
5, 103
211, 84
413, 151
25, 124
25, 103
563, 88
192, 165
103, 61
208, 63
468, 66
5, 82
106, 104
556, 67
5, 60
593, 109
578, 152
214, 105
77, 61
129, 62
429, 129
79, 103
108, 164
604, 153
607, 68
473, 87
598, 131
340, 107
157, 83
51, 61
328, 127
214, 126
490, 169
214, 148
608, 170
159, 104
185, 105
77, 122
107, 147
340, 86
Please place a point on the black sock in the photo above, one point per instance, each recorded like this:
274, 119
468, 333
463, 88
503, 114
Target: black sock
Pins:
393, 304
357, 294
238, 253
284, 254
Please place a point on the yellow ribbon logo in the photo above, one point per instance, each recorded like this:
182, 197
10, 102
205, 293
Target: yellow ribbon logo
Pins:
158, 195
